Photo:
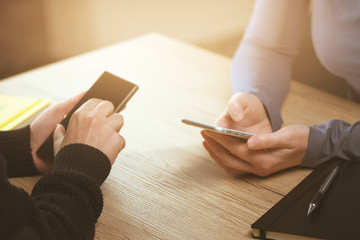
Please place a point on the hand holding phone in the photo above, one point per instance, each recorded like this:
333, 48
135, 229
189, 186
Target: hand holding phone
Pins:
226, 131
108, 87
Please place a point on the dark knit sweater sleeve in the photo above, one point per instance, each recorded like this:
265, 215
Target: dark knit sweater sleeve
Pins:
64, 204
16, 149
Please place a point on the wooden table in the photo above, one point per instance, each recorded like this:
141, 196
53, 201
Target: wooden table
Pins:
164, 185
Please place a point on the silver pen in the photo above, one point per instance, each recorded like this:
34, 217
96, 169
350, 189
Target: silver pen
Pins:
315, 202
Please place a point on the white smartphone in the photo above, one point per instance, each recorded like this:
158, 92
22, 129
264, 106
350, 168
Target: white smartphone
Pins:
227, 131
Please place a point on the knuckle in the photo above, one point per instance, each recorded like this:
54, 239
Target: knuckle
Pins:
229, 163
120, 118
264, 169
120, 140
108, 103
79, 115
88, 118
229, 171
232, 172
262, 173
288, 139
94, 100
234, 150
226, 162
76, 114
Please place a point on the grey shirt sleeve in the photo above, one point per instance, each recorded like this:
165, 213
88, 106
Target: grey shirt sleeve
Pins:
334, 138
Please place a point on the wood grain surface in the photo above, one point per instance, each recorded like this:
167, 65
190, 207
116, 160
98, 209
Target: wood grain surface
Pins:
164, 185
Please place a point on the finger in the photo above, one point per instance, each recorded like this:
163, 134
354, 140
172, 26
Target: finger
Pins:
66, 106
212, 155
266, 141
116, 121
74, 100
236, 107
89, 105
234, 145
123, 142
228, 160
235, 111
59, 134
218, 161
120, 146
104, 108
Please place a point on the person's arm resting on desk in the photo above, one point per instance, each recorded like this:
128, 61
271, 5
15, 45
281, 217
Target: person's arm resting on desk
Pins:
65, 203
261, 75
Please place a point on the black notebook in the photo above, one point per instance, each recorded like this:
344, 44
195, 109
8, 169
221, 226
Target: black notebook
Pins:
338, 216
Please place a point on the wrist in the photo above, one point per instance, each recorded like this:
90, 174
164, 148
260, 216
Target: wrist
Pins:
313, 149
84, 159
273, 111
303, 143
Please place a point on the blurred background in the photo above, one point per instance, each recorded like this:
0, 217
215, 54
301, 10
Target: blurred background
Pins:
37, 32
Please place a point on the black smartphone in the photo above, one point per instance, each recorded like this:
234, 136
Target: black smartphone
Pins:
226, 131
107, 87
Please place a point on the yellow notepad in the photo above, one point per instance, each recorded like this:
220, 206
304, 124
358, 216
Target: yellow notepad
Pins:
16, 111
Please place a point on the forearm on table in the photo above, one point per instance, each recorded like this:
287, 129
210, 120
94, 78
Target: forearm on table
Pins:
263, 62
65, 204
264, 73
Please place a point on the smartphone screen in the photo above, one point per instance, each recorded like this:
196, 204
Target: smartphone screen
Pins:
107, 87
226, 131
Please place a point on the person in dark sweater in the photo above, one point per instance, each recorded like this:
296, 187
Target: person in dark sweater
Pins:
67, 201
